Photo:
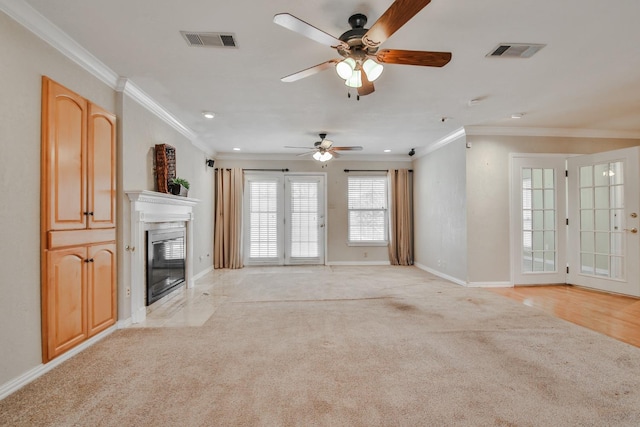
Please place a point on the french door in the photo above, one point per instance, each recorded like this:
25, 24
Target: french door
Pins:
284, 219
538, 220
588, 237
603, 221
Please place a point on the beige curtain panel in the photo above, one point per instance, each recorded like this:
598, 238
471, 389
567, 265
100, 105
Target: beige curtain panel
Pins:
227, 241
400, 217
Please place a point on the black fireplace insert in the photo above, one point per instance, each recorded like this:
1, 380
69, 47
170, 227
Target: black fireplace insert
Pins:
165, 261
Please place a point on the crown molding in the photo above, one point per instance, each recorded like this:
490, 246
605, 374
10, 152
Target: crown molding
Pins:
39, 25
129, 88
445, 140
549, 132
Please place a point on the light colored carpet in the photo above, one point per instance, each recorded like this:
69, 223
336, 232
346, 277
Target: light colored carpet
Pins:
343, 346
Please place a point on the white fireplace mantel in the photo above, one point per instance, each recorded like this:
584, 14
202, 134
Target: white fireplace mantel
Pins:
152, 207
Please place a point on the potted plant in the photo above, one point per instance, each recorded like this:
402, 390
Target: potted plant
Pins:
179, 187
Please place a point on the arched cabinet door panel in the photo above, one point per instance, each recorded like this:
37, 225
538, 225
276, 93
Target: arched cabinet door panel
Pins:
101, 171
64, 134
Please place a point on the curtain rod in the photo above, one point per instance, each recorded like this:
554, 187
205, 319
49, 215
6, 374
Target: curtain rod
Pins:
369, 170
262, 170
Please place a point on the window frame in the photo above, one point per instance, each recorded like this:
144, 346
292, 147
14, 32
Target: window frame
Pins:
385, 210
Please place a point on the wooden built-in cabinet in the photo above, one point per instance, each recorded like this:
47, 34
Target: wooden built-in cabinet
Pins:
78, 219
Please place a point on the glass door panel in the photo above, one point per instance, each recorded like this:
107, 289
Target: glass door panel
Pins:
601, 196
305, 211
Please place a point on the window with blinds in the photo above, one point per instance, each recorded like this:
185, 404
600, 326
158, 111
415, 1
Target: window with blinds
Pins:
263, 219
367, 209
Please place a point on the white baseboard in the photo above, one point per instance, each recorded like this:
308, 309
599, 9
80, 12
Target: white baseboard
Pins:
32, 374
358, 263
203, 273
490, 285
124, 323
441, 275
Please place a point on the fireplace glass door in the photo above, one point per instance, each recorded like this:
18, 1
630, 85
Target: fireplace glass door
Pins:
165, 262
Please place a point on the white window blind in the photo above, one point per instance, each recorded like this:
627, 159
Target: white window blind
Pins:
304, 219
367, 209
263, 219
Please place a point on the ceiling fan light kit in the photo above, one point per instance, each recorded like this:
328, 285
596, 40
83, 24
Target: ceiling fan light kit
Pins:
350, 71
322, 157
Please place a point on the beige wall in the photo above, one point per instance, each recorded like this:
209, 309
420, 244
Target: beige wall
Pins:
440, 206
337, 249
488, 194
26, 59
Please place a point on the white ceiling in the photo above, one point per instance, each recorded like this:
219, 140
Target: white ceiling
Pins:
586, 78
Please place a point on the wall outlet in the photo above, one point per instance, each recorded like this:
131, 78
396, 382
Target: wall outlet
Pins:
128, 292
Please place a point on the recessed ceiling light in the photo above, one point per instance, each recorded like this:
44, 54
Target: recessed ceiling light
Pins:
387, 151
236, 149
208, 115
517, 115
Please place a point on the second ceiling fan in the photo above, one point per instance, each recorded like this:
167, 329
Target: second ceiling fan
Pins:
324, 149
360, 63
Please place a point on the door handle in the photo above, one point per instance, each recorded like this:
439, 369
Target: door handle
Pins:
633, 230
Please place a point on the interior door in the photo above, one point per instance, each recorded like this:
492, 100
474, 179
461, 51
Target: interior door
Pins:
538, 220
604, 249
284, 219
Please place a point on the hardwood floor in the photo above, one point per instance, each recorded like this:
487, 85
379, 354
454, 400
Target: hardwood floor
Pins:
614, 315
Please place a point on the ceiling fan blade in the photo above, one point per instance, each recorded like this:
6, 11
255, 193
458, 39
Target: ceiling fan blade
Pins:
333, 153
350, 148
414, 57
292, 23
367, 86
309, 71
398, 14
306, 154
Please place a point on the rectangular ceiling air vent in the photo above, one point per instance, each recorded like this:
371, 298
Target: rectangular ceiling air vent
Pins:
515, 50
209, 39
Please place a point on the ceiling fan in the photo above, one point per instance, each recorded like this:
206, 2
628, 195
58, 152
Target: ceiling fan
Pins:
359, 46
324, 149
